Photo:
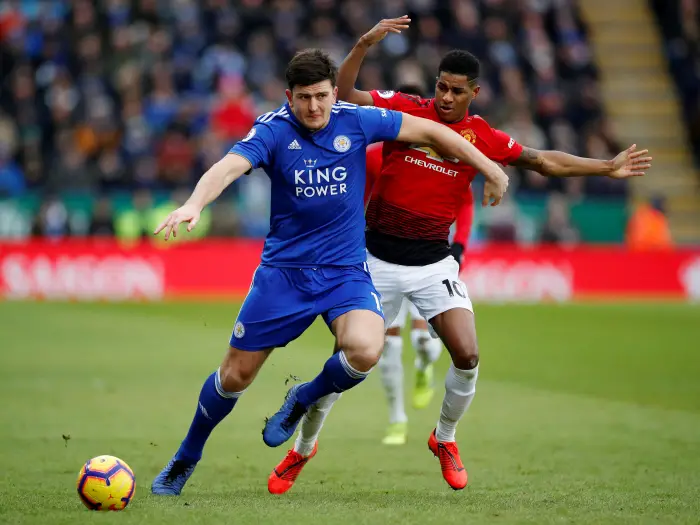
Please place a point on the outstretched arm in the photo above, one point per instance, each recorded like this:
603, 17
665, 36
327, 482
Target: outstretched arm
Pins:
209, 187
350, 68
423, 131
629, 163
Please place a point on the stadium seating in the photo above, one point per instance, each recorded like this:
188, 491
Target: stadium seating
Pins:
680, 25
103, 99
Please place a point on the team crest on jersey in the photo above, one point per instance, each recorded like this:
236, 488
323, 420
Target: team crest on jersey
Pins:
249, 136
238, 330
342, 143
385, 94
469, 135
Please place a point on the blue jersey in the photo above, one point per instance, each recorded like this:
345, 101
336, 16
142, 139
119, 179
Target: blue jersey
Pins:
318, 182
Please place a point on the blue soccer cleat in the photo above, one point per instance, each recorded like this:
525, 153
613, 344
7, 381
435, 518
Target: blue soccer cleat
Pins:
172, 478
280, 427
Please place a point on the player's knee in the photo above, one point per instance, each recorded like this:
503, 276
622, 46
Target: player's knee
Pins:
363, 351
363, 359
465, 354
361, 338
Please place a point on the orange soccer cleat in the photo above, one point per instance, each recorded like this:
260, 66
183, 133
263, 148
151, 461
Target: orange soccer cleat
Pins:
452, 468
286, 473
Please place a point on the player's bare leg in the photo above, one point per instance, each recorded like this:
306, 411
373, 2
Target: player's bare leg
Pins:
391, 373
240, 367
359, 334
457, 330
428, 351
217, 398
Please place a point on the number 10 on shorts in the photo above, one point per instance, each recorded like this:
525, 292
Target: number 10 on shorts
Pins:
454, 287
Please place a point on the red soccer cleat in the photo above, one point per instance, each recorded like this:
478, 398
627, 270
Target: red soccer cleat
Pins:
452, 468
286, 473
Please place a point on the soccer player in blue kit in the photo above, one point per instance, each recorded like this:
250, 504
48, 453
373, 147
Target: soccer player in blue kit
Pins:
314, 259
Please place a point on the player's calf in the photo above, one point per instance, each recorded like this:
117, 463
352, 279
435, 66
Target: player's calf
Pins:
428, 351
457, 330
217, 398
391, 374
240, 367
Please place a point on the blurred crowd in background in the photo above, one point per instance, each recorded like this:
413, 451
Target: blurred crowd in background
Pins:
110, 110
680, 24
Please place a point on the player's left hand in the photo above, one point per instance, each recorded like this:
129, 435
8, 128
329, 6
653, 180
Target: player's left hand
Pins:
630, 163
185, 213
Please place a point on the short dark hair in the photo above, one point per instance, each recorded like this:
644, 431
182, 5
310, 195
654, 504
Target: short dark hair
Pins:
411, 89
459, 62
310, 66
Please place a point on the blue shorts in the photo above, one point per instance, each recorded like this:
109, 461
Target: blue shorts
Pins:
283, 302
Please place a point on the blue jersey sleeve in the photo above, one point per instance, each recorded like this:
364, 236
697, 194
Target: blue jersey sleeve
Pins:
257, 146
379, 124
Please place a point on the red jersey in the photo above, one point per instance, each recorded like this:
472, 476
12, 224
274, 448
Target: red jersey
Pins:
374, 167
420, 193
464, 217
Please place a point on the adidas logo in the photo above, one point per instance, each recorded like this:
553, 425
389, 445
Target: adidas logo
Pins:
294, 145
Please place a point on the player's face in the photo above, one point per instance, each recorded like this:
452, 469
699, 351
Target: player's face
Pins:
312, 104
453, 94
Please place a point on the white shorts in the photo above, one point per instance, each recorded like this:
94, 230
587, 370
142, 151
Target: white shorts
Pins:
407, 308
433, 289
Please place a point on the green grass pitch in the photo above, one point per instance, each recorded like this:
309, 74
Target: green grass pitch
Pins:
588, 413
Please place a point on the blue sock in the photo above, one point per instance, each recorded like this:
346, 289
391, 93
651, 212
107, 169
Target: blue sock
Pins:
337, 376
214, 405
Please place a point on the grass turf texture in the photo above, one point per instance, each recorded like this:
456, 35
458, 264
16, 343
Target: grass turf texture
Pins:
587, 413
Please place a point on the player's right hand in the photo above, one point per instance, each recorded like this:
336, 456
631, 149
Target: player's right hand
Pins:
185, 213
383, 28
495, 187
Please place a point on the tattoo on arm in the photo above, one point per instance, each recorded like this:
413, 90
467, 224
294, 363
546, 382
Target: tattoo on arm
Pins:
530, 159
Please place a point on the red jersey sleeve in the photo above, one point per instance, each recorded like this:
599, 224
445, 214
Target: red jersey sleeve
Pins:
464, 220
374, 167
396, 100
499, 146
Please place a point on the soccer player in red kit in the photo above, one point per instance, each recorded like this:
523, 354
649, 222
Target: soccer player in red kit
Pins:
427, 348
413, 204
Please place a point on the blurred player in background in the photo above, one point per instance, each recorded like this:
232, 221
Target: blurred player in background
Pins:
314, 258
427, 348
413, 205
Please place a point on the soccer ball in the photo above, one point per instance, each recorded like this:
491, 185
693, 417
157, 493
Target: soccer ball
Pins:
106, 483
